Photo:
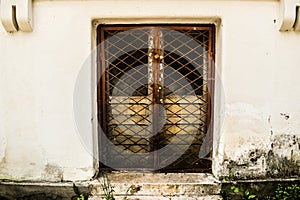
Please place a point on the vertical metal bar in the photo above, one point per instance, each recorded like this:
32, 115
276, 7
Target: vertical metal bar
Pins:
99, 89
156, 95
212, 82
209, 123
102, 92
150, 88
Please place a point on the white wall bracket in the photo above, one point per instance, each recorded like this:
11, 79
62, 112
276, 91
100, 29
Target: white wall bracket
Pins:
16, 15
289, 15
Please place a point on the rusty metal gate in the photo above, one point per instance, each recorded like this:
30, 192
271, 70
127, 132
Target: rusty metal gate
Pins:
155, 97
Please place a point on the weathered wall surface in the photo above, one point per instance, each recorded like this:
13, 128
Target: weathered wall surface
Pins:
257, 110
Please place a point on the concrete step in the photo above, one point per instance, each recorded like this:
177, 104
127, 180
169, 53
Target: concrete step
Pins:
207, 197
152, 186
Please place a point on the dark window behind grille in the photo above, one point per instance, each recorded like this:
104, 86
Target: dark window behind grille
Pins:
155, 96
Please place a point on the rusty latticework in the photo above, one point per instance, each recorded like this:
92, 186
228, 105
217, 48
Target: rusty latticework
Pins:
155, 96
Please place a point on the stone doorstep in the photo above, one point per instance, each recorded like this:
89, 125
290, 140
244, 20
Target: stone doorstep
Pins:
160, 186
169, 189
207, 197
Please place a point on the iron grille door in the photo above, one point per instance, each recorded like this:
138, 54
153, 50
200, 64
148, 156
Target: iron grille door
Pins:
154, 97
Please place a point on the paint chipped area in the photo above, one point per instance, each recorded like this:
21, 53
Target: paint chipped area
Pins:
53, 173
280, 159
284, 156
2, 150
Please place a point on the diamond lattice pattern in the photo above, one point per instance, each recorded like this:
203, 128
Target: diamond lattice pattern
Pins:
183, 109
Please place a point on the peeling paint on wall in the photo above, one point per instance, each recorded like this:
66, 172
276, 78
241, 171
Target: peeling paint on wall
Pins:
283, 159
2, 150
280, 160
53, 173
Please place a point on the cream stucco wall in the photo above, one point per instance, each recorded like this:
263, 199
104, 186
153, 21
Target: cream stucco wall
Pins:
257, 84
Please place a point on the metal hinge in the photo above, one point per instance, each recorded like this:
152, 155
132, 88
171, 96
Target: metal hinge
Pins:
16, 15
289, 15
